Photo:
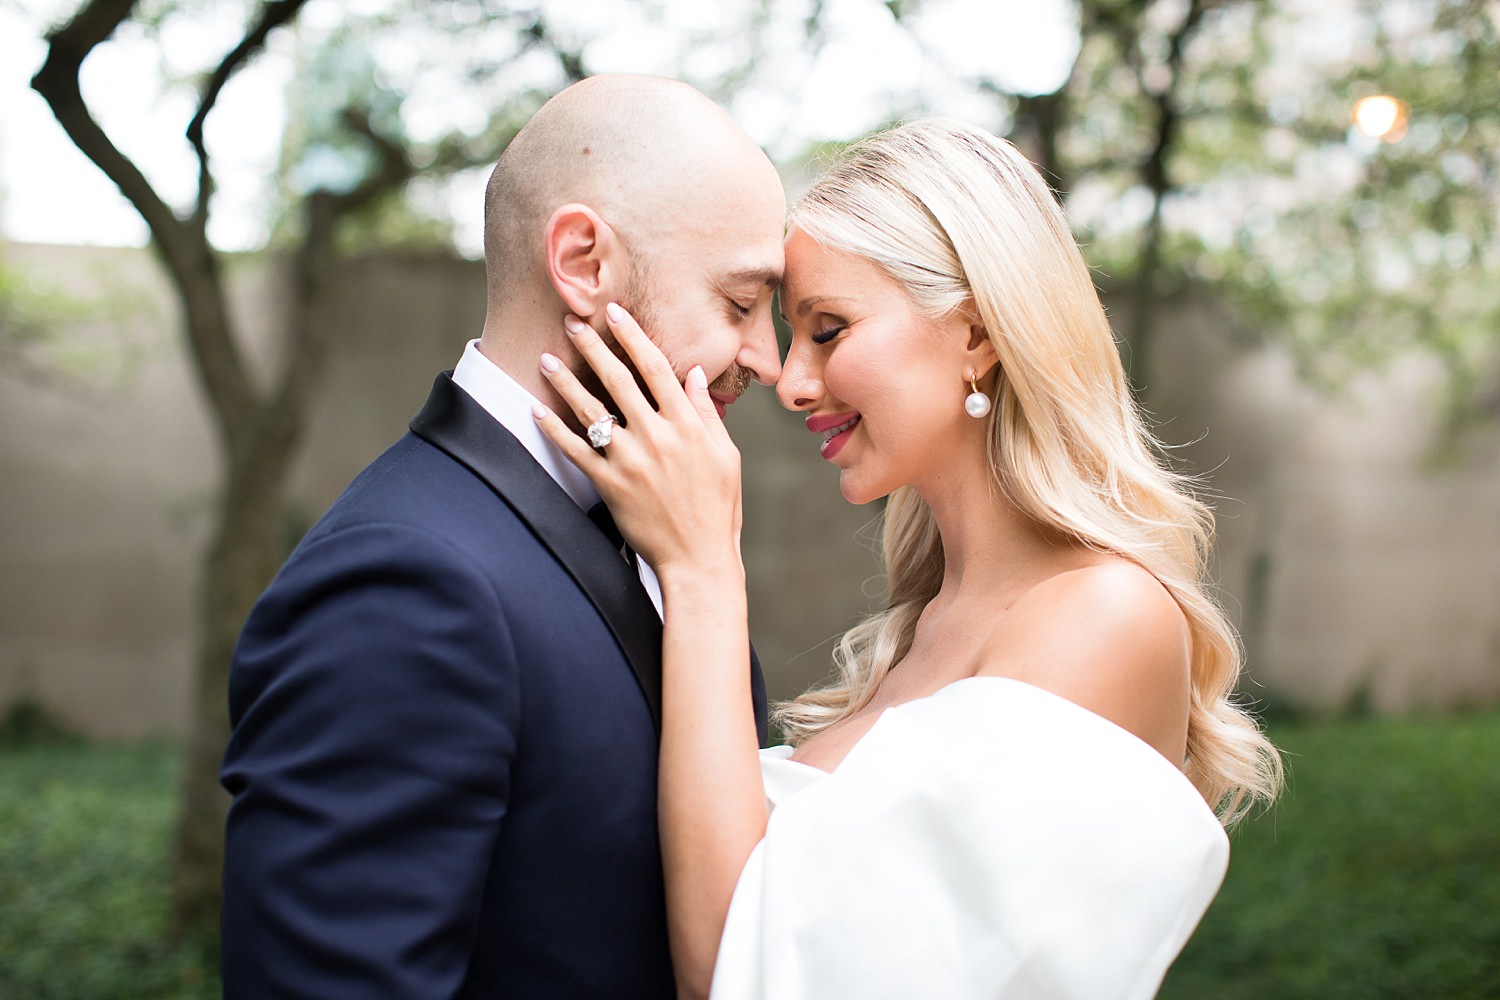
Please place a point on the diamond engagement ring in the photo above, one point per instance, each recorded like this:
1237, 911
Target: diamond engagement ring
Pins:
601, 431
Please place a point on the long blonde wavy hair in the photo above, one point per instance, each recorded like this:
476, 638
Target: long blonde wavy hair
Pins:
962, 220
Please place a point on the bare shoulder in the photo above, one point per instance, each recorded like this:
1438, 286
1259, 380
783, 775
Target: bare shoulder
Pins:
1109, 637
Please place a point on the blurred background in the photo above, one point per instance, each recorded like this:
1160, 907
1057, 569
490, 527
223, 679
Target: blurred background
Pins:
237, 240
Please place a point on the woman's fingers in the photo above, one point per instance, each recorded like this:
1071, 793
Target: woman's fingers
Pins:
659, 377
617, 379
702, 402
685, 406
582, 402
696, 388
580, 452
655, 370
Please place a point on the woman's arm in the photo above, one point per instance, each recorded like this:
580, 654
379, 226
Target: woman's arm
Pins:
671, 479
712, 804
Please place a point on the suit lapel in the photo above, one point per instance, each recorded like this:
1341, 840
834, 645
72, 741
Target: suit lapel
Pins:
453, 422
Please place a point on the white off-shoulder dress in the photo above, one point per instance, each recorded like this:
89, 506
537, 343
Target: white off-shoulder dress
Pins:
990, 841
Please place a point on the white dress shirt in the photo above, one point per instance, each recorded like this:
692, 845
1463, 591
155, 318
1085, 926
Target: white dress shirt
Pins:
508, 402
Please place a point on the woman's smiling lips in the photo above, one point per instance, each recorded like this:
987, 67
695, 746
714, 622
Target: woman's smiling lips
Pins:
835, 428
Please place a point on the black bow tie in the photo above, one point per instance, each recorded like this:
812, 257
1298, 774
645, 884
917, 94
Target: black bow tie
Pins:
605, 522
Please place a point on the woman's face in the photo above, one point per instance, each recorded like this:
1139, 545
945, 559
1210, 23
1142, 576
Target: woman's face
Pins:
881, 384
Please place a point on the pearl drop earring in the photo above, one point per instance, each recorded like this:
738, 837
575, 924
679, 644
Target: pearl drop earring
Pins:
976, 403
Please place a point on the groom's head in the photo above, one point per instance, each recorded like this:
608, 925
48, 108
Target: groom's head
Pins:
637, 190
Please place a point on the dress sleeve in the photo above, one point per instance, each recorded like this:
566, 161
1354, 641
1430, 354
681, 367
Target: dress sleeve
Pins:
993, 840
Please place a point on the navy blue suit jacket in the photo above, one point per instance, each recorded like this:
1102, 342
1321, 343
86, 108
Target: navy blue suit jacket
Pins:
445, 742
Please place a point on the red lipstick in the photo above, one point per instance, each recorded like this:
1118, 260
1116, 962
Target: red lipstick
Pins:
835, 428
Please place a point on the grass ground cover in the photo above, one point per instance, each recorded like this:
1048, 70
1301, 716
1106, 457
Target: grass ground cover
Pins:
1377, 876
84, 844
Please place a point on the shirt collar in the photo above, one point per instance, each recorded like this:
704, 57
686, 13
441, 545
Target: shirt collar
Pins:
508, 402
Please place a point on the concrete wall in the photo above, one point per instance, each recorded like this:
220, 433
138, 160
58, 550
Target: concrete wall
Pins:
1354, 566
1362, 562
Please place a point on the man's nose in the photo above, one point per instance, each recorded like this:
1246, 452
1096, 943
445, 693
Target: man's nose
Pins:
759, 352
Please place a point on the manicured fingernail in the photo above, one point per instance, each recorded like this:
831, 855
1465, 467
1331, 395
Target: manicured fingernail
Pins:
696, 378
538, 411
550, 364
615, 313
574, 325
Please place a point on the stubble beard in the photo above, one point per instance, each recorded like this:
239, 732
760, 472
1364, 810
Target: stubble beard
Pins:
634, 301
733, 382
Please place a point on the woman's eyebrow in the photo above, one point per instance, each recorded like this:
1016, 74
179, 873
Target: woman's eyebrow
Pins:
806, 305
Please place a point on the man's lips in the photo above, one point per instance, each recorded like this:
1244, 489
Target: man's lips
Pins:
722, 401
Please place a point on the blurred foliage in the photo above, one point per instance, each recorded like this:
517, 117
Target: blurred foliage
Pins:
31, 307
1354, 249
349, 65
1209, 143
29, 723
1359, 248
84, 855
24, 309
1374, 876
63, 329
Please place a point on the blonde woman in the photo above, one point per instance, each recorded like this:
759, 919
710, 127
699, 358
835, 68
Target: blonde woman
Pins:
1017, 784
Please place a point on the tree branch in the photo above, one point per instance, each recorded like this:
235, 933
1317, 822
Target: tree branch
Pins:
393, 167
570, 60
324, 210
272, 15
183, 248
1154, 174
57, 82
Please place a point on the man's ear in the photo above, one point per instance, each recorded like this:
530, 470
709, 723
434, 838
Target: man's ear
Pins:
584, 259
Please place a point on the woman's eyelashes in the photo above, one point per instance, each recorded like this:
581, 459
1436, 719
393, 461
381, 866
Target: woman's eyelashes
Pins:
827, 333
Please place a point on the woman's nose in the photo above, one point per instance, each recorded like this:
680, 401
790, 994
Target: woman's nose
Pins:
800, 384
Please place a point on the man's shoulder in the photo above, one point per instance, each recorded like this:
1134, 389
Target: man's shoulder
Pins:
413, 506
414, 513
412, 482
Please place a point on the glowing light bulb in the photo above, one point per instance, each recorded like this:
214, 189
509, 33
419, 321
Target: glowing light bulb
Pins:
1380, 116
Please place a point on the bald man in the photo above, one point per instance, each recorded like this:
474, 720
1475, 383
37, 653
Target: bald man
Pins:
445, 706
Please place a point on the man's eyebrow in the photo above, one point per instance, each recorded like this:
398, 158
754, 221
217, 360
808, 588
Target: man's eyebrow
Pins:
768, 276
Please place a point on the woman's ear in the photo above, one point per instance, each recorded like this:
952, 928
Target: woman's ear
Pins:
583, 257
980, 353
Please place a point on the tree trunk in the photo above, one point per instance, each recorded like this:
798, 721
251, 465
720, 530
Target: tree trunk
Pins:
1145, 296
1038, 128
246, 549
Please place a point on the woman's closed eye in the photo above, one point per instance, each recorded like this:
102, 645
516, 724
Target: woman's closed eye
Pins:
827, 333
740, 309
